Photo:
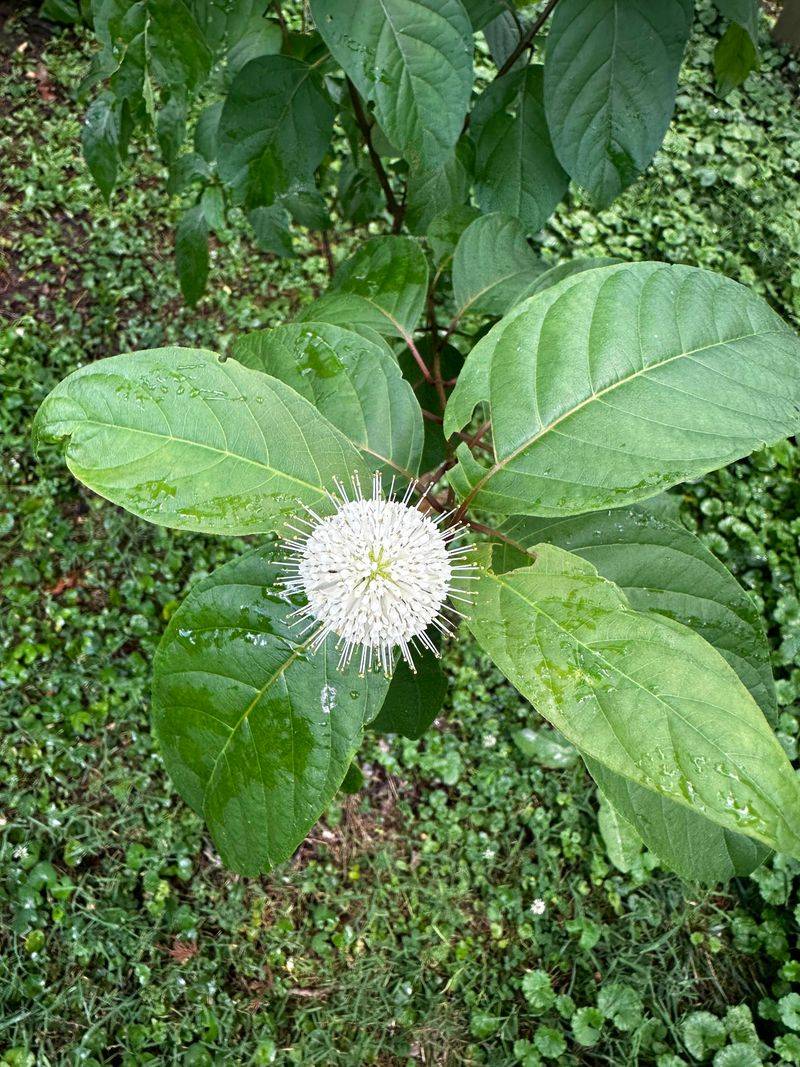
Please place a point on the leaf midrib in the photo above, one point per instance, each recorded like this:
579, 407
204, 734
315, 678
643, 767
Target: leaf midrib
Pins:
501, 464
199, 444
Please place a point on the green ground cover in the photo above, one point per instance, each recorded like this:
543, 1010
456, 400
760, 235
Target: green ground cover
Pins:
464, 908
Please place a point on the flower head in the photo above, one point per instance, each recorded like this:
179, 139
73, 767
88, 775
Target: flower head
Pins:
377, 573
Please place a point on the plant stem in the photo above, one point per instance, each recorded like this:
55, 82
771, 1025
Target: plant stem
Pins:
527, 39
423, 366
326, 248
396, 209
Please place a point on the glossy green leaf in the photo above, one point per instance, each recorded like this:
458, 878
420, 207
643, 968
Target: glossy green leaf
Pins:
182, 439
661, 566
516, 170
735, 57
414, 699
413, 60
352, 313
100, 142
618, 382
623, 844
648, 698
351, 382
274, 129
611, 73
684, 840
191, 253
391, 275
256, 733
492, 264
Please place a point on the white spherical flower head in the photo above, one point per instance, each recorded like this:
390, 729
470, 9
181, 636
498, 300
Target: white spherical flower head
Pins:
377, 574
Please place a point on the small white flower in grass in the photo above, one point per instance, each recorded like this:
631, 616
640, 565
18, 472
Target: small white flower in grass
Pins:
377, 574
538, 907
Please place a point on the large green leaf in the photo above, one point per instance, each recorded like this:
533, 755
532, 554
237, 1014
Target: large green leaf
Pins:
618, 382
391, 275
492, 264
684, 840
183, 439
646, 697
351, 381
516, 170
413, 59
661, 566
734, 58
610, 79
623, 844
274, 129
256, 732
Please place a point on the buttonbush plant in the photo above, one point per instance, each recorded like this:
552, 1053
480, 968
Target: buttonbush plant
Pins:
589, 388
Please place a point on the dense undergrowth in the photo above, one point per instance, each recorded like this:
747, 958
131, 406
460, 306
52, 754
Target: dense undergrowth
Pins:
463, 909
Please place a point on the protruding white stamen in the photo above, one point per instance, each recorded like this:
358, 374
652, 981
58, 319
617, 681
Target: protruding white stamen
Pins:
377, 573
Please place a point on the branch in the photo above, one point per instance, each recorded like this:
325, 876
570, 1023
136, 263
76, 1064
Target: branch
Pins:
396, 209
526, 39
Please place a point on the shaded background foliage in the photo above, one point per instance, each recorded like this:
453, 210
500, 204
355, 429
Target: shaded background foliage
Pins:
408, 928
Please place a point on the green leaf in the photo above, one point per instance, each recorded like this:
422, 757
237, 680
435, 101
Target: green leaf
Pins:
481, 12
644, 696
623, 844
413, 60
414, 698
621, 1004
182, 439
271, 229
432, 191
618, 382
503, 34
391, 275
178, 53
516, 170
492, 264
661, 566
684, 840
100, 142
274, 129
735, 57
352, 313
564, 270
256, 733
445, 230
351, 382
546, 747
353, 780
171, 127
205, 132
262, 37
610, 79
191, 253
